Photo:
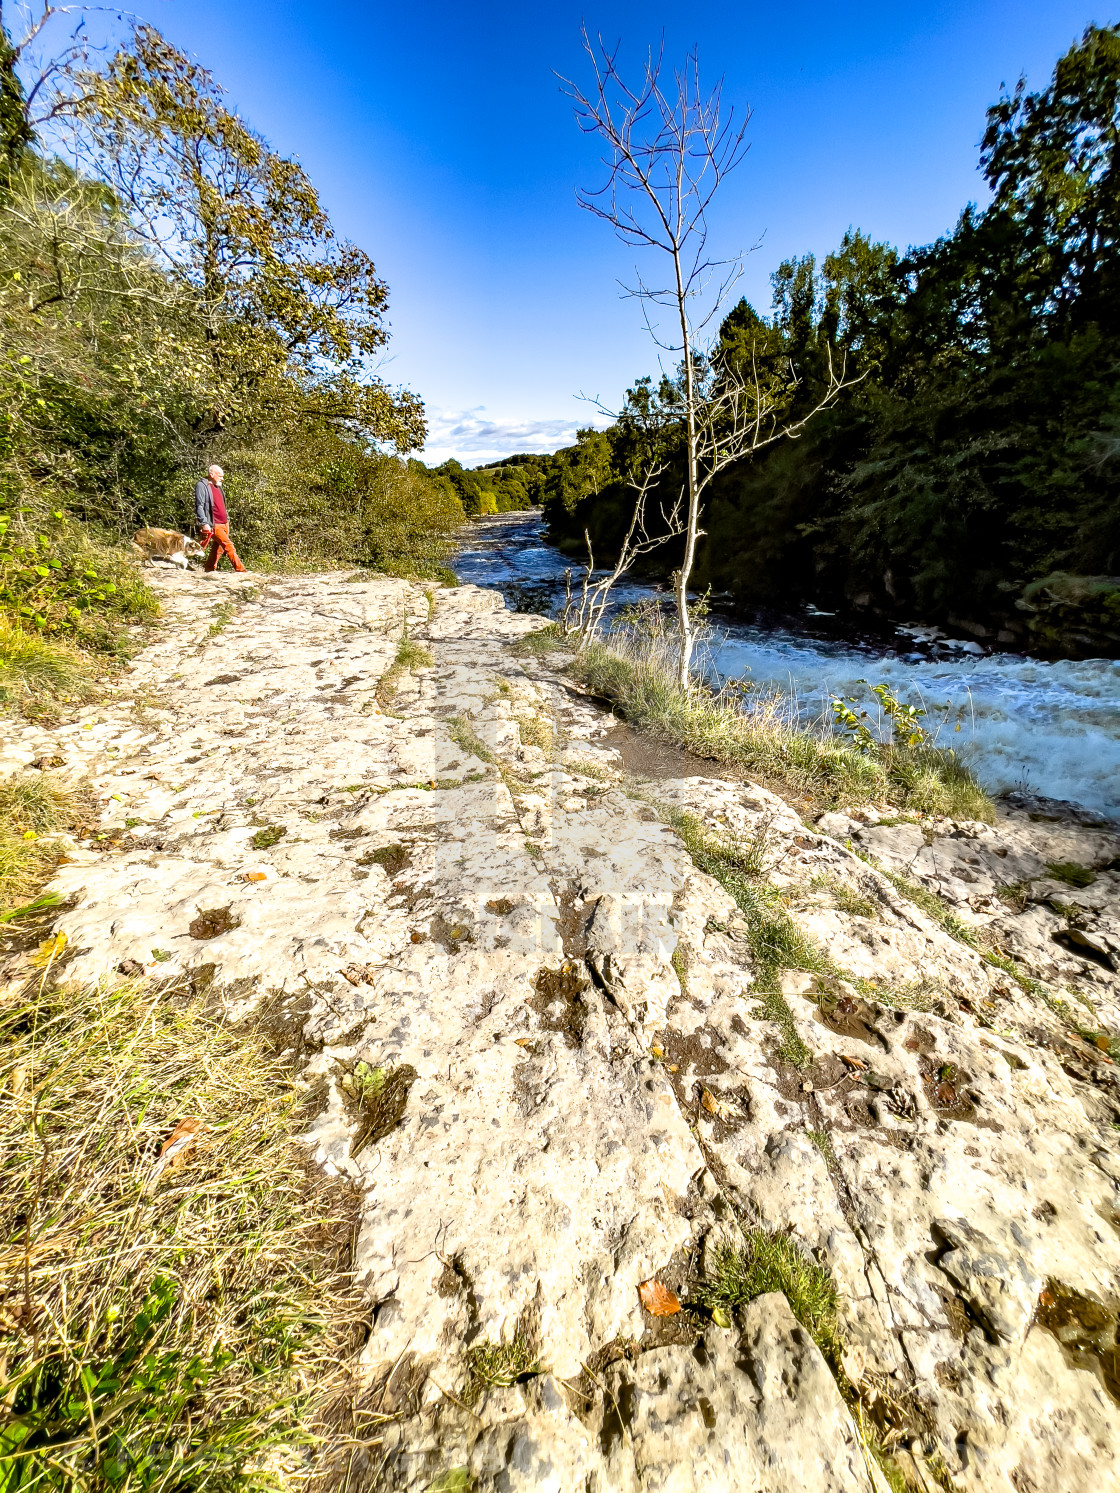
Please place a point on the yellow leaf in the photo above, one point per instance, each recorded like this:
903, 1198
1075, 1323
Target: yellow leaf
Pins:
49, 950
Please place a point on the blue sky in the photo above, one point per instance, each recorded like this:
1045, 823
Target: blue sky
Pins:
440, 141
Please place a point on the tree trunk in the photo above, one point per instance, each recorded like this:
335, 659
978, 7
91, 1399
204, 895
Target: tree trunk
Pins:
684, 617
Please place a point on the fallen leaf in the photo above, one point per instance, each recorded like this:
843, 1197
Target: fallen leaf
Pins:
721, 1316
184, 1135
657, 1299
857, 1063
256, 875
49, 950
708, 1102
175, 1148
523, 1041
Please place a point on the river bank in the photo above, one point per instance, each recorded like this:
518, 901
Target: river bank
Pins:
637, 1027
1028, 726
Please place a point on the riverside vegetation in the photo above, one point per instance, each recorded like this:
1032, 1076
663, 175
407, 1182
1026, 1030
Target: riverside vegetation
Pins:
967, 475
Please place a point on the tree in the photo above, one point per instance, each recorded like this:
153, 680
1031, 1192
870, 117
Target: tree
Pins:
291, 314
669, 148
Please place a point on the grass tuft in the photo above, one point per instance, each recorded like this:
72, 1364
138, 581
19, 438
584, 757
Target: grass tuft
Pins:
1071, 873
776, 942
543, 640
32, 808
35, 671
410, 655
413, 655
536, 731
463, 736
778, 1262
498, 1365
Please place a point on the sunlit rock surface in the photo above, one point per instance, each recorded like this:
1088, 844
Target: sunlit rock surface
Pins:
443, 873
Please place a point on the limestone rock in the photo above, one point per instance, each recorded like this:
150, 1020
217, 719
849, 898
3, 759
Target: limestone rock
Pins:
445, 873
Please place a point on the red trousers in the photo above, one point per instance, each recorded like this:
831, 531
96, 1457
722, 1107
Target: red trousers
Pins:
221, 544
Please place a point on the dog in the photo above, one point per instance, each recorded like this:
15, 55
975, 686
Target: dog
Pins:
165, 544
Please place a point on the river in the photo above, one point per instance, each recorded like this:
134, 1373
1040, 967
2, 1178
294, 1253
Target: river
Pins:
1047, 728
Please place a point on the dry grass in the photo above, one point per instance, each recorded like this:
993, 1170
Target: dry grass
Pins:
762, 734
32, 808
162, 1325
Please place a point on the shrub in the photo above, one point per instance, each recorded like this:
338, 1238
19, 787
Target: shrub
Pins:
761, 732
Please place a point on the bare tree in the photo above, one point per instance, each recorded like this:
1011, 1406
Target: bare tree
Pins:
668, 149
586, 616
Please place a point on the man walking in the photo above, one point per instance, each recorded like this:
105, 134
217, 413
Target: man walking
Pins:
213, 520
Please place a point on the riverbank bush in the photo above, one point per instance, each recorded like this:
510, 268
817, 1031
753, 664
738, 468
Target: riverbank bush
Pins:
762, 734
322, 500
177, 1304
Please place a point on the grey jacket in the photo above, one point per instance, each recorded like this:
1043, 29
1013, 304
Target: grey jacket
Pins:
203, 504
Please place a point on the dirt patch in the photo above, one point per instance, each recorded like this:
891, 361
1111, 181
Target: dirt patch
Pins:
380, 1106
281, 1022
647, 756
1088, 1331
449, 936
559, 999
685, 1326
573, 921
212, 922
691, 1057
393, 858
847, 1015
946, 1089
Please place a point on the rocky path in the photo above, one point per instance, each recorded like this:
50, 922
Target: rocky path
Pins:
548, 1056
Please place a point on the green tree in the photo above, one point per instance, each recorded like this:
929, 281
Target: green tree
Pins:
290, 313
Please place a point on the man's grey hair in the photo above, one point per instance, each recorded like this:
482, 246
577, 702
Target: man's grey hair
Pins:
215, 468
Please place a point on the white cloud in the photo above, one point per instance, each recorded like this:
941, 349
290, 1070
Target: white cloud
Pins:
472, 438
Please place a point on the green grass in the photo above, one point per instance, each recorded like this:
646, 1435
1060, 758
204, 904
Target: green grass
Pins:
271, 835
845, 897
778, 1262
776, 942
538, 732
1071, 873
930, 903
410, 655
413, 655
168, 1327
498, 1365
35, 670
759, 733
463, 736
223, 614
543, 640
